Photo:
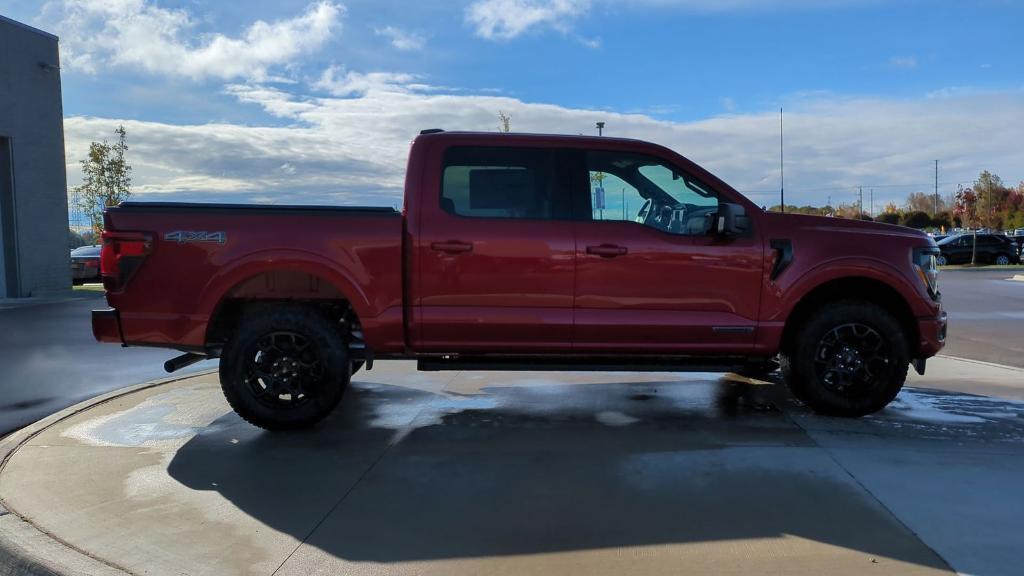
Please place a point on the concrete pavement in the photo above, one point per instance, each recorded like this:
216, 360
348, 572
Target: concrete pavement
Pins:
512, 473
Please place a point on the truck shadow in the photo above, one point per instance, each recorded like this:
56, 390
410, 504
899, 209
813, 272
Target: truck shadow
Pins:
407, 475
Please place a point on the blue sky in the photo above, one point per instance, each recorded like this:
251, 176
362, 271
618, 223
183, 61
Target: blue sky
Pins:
294, 101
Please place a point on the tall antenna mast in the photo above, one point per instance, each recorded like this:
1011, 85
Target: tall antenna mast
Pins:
782, 169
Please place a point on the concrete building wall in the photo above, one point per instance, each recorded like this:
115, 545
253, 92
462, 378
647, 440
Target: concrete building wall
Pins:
34, 214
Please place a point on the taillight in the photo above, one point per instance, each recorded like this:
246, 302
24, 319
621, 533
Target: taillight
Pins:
121, 256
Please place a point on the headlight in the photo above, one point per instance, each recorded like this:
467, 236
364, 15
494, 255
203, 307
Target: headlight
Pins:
926, 268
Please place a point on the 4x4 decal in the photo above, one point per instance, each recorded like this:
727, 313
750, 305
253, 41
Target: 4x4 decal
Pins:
190, 236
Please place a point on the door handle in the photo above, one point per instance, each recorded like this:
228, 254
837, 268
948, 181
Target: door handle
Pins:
607, 250
452, 247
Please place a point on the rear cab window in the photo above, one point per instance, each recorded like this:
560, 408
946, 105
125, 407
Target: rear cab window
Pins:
494, 182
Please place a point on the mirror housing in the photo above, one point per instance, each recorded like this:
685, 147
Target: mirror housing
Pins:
732, 220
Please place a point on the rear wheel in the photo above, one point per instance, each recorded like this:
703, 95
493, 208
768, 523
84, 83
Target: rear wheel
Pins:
940, 260
285, 368
848, 359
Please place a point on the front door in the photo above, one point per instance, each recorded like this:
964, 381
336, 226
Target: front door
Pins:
650, 275
496, 254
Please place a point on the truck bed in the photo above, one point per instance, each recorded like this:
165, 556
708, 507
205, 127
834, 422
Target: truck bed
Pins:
214, 254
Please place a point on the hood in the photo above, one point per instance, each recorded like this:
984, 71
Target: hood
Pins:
780, 221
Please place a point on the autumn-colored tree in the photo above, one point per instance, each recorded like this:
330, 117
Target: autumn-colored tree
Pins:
965, 207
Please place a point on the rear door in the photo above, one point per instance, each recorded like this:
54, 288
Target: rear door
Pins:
650, 277
496, 253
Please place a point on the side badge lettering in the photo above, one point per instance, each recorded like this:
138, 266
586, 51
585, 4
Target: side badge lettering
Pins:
190, 236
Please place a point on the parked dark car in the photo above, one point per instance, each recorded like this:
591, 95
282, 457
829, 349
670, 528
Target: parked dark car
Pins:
1018, 235
85, 265
990, 249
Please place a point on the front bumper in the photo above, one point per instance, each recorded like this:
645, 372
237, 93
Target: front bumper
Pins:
933, 334
106, 326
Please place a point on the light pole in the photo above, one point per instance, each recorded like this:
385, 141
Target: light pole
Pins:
600, 128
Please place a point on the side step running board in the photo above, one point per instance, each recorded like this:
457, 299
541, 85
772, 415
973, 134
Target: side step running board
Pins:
595, 363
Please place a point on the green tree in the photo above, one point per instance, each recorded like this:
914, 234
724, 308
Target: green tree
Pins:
505, 122
106, 178
75, 239
942, 220
889, 217
917, 219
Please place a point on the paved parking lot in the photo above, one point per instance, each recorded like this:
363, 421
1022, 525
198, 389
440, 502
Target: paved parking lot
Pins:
986, 314
514, 473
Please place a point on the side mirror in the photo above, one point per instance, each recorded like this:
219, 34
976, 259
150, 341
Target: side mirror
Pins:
731, 220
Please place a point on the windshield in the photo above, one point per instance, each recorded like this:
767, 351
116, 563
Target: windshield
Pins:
87, 251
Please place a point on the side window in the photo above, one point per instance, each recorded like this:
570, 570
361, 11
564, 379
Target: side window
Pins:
644, 189
502, 183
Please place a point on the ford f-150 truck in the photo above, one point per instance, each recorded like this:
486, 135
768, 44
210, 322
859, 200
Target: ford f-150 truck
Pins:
528, 252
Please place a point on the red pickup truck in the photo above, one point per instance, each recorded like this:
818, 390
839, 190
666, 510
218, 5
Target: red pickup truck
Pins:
523, 252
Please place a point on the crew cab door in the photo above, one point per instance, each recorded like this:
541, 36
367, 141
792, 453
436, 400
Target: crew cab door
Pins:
650, 274
495, 252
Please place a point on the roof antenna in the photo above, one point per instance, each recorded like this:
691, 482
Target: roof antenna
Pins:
782, 169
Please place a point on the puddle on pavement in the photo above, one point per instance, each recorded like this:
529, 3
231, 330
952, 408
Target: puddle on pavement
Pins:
173, 416
925, 414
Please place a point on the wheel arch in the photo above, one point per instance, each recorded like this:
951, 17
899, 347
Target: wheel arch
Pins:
265, 278
851, 288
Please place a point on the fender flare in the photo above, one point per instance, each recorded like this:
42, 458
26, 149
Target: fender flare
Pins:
852, 267
237, 271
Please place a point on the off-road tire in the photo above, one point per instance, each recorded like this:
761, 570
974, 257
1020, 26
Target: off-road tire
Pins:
826, 345
310, 345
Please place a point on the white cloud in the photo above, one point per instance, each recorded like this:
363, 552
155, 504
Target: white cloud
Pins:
505, 19
401, 39
903, 62
339, 83
352, 148
142, 35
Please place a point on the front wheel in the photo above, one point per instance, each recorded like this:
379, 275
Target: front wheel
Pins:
285, 368
850, 358
1002, 260
940, 260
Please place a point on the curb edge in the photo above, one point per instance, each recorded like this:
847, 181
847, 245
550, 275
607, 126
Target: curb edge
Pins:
25, 549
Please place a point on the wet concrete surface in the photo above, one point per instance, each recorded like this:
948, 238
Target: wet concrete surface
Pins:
512, 473
49, 359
